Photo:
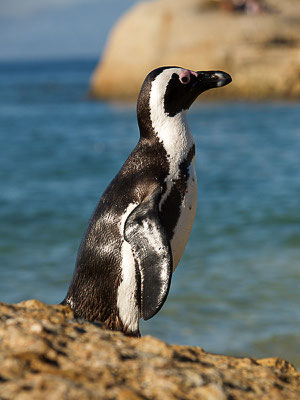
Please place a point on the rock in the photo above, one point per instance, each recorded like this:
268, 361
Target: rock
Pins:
260, 51
47, 354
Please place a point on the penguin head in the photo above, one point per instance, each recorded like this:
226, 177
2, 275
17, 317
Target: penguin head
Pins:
176, 88
184, 86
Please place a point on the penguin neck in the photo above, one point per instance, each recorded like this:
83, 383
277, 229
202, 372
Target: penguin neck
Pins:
173, 133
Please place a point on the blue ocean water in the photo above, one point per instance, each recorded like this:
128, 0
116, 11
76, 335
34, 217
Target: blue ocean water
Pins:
236, 290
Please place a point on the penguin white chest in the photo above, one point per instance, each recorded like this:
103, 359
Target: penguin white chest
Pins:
187, 212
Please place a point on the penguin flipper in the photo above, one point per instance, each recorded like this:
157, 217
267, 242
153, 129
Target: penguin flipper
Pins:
152, 253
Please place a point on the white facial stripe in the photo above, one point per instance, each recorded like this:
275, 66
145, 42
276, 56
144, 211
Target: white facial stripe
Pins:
173, 132
126, 301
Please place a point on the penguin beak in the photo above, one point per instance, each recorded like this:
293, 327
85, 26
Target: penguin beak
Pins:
213, 79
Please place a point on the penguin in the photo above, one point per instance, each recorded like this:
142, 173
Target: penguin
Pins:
140, 227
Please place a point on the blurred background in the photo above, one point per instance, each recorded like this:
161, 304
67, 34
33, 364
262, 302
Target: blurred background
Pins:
236, 290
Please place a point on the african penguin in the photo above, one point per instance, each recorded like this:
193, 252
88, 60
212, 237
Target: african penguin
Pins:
140, 227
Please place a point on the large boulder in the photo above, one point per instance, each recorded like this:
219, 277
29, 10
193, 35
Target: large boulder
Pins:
260, 51
47, 354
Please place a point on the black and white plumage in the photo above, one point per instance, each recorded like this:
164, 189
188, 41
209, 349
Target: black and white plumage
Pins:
143, 220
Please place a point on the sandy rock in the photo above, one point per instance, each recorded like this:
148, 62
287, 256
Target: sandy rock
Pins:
47, 354
261, 52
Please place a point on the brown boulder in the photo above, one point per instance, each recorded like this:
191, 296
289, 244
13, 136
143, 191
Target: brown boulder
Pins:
47, 354
260, 51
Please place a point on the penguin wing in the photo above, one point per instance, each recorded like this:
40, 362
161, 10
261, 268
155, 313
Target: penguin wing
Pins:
152, 253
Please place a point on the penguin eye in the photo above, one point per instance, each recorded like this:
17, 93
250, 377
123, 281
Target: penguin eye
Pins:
184, 80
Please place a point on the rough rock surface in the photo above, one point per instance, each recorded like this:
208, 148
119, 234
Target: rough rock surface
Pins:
47, 354
260, 51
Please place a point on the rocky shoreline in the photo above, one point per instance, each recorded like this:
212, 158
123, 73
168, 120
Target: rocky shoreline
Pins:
260, 52
46, 353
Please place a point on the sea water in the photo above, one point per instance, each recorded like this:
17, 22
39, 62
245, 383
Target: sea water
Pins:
236, 290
